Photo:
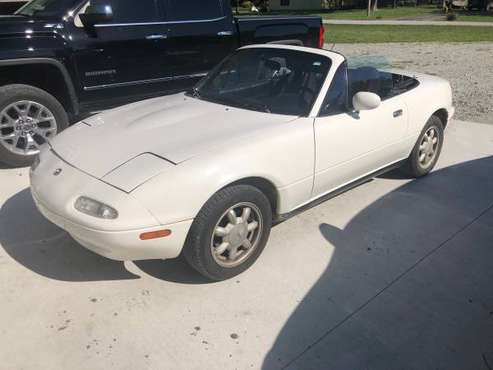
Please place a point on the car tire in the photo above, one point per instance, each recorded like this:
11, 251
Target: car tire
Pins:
43, 117
426, 151
216, 246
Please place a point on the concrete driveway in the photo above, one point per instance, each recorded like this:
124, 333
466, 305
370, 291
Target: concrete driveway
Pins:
395, 274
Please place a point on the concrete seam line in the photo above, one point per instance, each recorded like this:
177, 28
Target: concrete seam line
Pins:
409, 269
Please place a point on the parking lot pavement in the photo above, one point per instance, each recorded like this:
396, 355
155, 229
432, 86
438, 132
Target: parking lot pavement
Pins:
395, 274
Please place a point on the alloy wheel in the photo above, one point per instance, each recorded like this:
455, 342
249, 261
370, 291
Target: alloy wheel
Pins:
428, 148
236, 234
26, 125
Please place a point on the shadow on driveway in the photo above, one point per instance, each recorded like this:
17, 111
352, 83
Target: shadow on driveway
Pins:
44, 248
409, 284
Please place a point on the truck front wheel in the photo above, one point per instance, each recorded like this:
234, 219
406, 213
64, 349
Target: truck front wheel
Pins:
28, 117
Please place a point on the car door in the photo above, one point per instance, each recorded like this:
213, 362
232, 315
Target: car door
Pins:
128, 51
350, 145
201, 34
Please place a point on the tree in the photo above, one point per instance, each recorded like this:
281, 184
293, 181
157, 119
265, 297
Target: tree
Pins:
375, 2
372, 7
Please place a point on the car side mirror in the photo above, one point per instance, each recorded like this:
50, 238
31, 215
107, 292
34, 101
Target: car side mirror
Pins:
96, 14
365, 100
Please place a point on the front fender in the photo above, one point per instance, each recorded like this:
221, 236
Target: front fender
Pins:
284, 158
65, 75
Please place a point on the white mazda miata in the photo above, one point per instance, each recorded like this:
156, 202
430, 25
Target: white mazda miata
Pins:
205, 173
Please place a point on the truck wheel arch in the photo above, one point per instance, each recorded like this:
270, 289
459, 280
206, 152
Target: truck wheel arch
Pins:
69, 101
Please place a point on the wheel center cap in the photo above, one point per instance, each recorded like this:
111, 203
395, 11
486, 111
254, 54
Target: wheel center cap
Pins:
238, 234
24, 125
429, 147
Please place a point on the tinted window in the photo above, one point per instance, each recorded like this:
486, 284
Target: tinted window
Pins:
268, 80
336, 99
127, 11
46, 7
185, 10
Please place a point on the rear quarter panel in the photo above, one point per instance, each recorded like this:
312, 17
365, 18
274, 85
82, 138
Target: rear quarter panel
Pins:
432, 94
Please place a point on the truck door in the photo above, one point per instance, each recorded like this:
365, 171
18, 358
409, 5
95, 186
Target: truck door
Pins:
128, 51
201, 34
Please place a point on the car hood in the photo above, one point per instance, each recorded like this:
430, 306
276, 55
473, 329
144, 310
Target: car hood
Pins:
175, 128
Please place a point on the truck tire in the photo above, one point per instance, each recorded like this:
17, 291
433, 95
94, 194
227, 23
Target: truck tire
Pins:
28, 117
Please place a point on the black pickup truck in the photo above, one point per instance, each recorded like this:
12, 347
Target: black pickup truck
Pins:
60, 59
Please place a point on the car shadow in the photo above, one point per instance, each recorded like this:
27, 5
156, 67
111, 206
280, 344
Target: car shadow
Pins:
47, 250
175, 270
4, 166
396, 174
42, 247
362, 314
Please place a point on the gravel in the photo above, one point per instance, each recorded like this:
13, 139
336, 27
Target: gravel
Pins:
468, 67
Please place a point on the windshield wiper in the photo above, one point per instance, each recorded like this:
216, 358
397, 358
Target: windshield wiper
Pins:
256, 106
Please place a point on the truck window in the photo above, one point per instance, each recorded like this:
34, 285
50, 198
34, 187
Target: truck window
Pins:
45, 8
193, 10
125, 11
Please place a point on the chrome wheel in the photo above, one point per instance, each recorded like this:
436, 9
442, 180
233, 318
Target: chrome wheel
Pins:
236, 234
428, 148
25, 125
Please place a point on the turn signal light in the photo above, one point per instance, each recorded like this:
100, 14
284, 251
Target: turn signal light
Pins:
155, 234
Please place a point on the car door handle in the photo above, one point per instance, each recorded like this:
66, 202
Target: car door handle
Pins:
156, 37
397, 113
225, 33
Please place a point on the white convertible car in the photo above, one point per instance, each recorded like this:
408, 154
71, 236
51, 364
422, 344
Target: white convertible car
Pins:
270, 130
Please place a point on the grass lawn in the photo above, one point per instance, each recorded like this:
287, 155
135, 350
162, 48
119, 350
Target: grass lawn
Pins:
407, 12
474, 17
342, 33
424, 12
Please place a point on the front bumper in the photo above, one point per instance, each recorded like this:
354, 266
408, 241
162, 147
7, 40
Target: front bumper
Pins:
122, 245
54, 196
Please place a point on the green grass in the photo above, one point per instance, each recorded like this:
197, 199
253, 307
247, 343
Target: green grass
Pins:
342, 33
424, 12
407, 12
360, 14
474, 17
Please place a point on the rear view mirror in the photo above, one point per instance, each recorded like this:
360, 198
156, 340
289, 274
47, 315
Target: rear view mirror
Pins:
365, 100
96, 14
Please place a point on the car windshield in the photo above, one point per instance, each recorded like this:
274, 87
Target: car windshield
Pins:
271, 80
45, 8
